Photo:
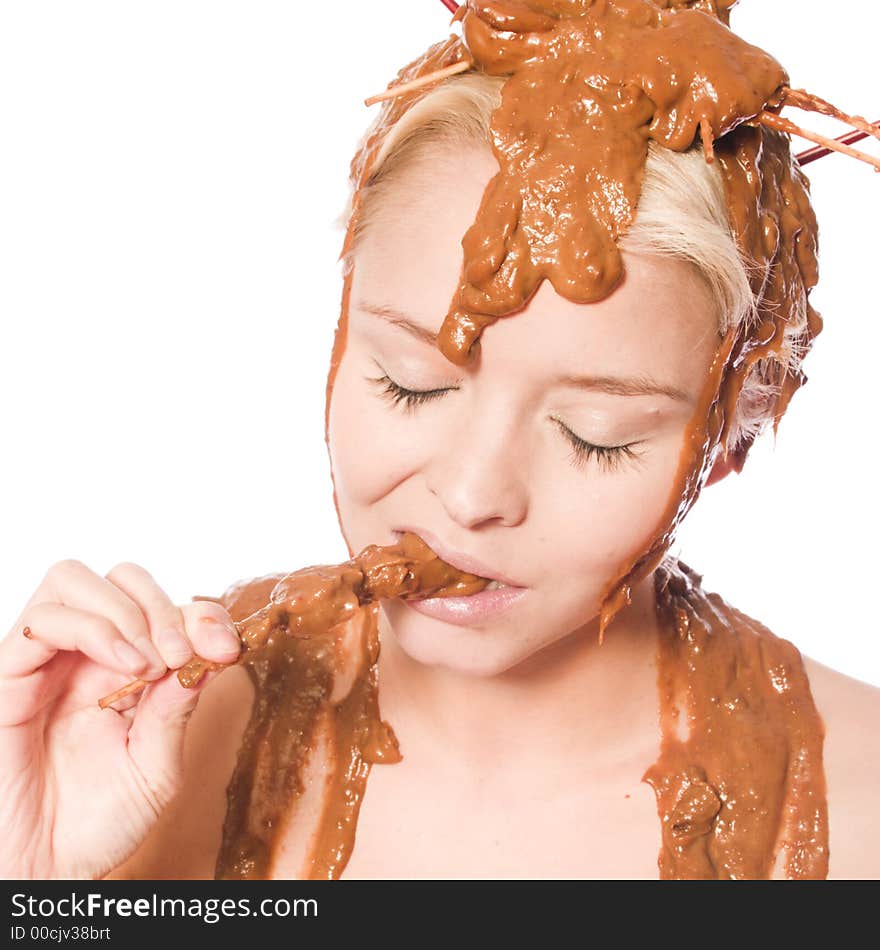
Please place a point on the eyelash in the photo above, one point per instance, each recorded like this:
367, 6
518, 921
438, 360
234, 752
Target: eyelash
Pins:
608, 457
411, 398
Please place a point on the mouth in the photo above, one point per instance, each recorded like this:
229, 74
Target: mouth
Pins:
464, 562
493, 604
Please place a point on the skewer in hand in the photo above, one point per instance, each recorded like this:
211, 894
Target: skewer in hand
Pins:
313, 600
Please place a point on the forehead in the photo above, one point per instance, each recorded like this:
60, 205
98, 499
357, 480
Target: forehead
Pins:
660, 319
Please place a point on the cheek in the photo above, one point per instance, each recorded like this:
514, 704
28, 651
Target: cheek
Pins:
612, 516
372, 449
584, 526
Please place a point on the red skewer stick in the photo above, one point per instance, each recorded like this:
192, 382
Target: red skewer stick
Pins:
450, 5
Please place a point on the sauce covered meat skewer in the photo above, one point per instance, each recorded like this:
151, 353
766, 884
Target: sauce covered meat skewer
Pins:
311, 646
317, 685
312, 601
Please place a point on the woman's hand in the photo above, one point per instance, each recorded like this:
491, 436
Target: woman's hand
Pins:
80, 787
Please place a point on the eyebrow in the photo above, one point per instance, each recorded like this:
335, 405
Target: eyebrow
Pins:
398, 319
620, 386
614, 385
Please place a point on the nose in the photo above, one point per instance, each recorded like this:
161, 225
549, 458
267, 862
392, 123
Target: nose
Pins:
478, 474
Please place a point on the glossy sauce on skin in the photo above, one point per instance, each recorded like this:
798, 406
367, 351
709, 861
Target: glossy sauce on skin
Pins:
301, 634
747, 781
588, 83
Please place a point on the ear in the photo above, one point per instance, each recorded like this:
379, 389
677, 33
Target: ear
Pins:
724, 466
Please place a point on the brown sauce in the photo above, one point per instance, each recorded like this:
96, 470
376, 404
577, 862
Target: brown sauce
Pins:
295, 631
588, 84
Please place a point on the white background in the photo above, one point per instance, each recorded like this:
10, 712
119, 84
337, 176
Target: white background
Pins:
170, 175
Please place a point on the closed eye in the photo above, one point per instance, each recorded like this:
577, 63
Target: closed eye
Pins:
409, 398
608, 457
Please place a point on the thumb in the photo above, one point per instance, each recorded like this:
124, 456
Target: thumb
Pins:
156, 735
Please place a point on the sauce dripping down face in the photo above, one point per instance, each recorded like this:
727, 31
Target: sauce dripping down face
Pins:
587, 86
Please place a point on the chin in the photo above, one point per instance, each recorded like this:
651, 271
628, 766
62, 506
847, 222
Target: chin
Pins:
470, 651
465, 650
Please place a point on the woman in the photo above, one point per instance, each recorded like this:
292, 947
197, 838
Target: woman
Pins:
546, 463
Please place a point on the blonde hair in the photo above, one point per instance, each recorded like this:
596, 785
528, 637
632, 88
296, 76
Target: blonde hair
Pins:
682, 213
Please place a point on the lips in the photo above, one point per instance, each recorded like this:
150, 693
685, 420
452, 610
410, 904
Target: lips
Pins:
474, 611
464, 562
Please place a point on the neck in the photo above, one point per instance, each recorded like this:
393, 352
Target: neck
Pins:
573, 707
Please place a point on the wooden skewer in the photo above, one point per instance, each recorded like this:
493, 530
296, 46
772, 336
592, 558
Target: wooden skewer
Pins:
393, 91
135, 686
773, 121
450, 5
708, 141
801, 99
818, 151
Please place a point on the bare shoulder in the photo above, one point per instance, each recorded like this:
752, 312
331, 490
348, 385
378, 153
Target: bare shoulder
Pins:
850, 711
186, 839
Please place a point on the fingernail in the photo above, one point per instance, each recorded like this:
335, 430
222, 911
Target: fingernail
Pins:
129, 657
224, 634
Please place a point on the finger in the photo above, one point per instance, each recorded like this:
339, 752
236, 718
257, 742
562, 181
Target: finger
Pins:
125, 703
211, 631
164, 618
52, 627
157, 732
73, 584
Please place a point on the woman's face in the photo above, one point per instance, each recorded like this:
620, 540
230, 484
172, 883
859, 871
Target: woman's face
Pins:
494, 462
